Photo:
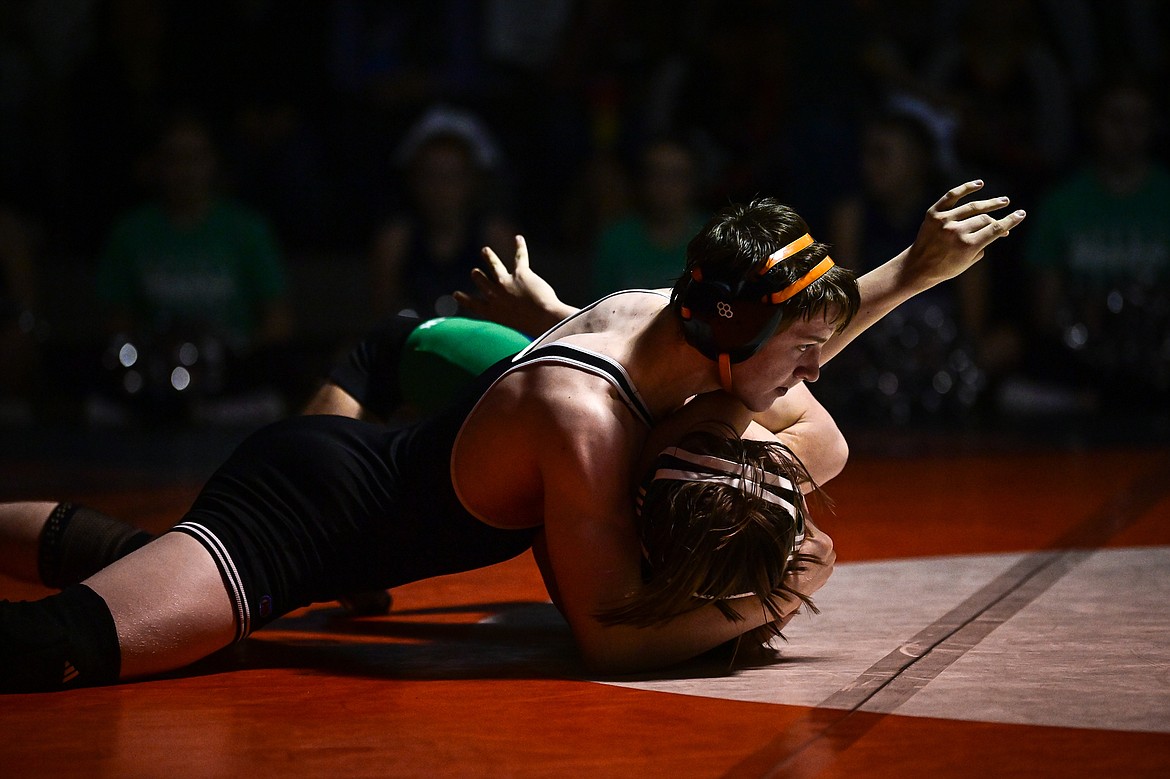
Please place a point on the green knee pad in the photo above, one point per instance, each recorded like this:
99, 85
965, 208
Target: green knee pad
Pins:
442, 356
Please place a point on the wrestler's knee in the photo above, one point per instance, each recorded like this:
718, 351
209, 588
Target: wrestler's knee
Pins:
78, 541
63, 641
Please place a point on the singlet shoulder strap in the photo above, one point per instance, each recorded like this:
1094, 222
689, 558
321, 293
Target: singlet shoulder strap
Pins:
591, 362
536, 342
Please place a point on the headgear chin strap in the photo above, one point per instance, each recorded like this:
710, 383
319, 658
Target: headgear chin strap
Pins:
729, 322
725, 371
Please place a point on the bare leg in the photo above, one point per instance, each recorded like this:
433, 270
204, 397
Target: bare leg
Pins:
20, 533
332, 399
169, 605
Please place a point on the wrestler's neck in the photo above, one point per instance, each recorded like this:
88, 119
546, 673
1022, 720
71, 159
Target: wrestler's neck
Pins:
665, 368
643, 334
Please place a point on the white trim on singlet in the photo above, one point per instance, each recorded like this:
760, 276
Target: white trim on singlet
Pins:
591, 362
588, 360
227, 567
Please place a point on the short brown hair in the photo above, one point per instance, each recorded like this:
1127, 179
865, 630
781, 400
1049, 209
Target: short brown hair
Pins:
739, 237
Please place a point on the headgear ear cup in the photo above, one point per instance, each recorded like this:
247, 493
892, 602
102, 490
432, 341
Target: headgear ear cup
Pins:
729, 322
717, 320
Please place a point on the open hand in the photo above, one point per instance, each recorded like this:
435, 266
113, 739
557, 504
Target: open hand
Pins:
513, 296
954, 235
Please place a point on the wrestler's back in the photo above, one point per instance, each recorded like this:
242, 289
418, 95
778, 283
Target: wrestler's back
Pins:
496, 462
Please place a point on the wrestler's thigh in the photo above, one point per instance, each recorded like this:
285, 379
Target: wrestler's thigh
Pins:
169, 605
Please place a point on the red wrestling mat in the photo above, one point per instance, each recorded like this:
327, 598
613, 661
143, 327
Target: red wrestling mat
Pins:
474, 675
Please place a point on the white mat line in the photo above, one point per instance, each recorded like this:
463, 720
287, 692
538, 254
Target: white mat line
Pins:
894, 679
898, 676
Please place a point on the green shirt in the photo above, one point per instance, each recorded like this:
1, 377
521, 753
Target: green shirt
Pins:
627, 258
215, 275
1086, 232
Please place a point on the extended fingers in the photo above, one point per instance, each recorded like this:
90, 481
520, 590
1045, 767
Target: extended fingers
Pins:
498, 269
486, 286
469, 303
998, 228
975, 207
521, 263
953, 196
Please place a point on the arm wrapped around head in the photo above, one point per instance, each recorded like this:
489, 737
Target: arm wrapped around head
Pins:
719, 519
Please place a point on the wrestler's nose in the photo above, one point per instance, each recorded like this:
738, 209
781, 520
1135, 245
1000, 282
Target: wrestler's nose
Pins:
809, 368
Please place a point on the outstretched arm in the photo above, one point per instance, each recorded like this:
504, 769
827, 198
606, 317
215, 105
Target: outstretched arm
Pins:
953, 237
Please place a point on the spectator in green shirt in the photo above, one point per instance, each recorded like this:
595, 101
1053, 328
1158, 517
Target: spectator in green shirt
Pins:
647, 248
192, 260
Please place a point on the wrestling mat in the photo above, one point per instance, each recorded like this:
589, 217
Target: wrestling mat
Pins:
995, 614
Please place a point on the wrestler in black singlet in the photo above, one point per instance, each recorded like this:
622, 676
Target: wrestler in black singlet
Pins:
310, 508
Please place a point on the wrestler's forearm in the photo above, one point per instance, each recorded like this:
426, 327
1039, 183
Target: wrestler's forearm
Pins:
821, 449
625, 649
801, 423
952, 238
882, 290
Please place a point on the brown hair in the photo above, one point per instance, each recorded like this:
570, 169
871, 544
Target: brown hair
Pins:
739, 237
705, 542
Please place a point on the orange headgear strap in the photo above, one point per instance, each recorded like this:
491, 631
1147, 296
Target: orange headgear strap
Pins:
725, 371
820, 269
784, 252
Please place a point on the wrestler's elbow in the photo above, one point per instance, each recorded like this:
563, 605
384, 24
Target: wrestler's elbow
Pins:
836, 455
828, 453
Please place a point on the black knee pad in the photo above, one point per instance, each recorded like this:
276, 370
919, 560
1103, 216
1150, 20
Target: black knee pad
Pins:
77, 542
63, 641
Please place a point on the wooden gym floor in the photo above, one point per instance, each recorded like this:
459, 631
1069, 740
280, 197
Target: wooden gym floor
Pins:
997, 611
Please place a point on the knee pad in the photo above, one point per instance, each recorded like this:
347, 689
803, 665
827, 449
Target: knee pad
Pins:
63, 641
77, 542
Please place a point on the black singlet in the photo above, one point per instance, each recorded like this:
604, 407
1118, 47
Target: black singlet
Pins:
311, 508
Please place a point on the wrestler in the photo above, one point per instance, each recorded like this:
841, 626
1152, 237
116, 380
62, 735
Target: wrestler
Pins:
545, 450
403, 369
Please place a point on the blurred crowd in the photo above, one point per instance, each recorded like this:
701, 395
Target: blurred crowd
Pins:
200, 203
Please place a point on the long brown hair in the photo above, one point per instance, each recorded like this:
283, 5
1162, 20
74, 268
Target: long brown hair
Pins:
705, 541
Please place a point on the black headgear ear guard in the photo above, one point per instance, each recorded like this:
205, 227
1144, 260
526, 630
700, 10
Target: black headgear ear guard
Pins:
728, 321
727, 318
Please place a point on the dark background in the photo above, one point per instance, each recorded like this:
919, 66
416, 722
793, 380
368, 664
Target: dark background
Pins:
309, 100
